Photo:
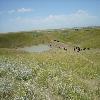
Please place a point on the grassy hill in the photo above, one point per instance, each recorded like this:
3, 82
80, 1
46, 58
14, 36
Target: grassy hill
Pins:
20, 39
83, 37
52, 75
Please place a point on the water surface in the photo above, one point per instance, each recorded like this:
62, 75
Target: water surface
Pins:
36, 48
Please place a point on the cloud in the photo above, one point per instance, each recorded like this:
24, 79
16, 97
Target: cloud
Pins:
11, 11
19, 10
78, 18
22, 10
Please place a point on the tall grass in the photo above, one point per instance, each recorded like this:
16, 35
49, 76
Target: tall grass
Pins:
51, 75
82, 37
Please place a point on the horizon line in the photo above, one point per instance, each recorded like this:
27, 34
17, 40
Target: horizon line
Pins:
43, 29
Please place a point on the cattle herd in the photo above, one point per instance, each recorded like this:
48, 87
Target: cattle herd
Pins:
76, 48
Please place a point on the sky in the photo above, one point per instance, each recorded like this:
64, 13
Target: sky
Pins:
27, 15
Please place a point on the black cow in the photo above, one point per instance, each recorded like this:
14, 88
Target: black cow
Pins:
88, 48
76, 29
56, 40
50, 45
78, 49
84, 48
65, 49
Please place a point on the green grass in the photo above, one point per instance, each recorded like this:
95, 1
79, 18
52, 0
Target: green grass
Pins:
21, 39
83, 37
57, 75
51, 75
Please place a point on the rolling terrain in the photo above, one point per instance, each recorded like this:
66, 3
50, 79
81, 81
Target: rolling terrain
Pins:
56, 74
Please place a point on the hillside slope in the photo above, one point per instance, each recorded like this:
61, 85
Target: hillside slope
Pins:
83, 37
51, 75
21, 39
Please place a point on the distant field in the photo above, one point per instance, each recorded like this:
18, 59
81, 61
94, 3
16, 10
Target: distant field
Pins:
52, 75
13, 40
83, 37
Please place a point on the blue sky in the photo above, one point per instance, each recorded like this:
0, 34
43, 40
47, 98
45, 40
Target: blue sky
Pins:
25, 15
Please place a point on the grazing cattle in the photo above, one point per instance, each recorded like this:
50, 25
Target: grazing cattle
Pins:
50, 45
84, 48
88, 48
79, 48
65, 49
76, 29
56, 40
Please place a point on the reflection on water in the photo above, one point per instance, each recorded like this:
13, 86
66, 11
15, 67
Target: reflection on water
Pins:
37, 48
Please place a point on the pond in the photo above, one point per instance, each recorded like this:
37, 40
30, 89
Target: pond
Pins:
36, 48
